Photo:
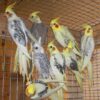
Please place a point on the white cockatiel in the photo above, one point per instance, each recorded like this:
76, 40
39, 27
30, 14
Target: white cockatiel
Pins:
38, 29
63, 35
18, 32
72, 63
41, 61
57, 62
87, 48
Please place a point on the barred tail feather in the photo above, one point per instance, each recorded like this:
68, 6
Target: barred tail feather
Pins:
76, 52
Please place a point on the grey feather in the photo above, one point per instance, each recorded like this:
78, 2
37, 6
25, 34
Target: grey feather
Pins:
18, 31
39, 30
43, 64
41, 61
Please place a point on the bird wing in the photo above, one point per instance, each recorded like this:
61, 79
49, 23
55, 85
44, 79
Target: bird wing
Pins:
67, 33
89, 46
83, 43
18, 32
39, 30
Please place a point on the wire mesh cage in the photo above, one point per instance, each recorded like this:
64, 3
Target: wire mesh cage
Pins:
12, 86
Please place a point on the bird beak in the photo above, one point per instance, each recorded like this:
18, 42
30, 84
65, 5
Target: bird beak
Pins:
51, 25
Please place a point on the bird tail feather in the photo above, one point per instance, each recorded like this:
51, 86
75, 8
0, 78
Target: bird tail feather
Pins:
25, 51
90, 72
85, 62
76, 52
15, 70
21, 63
79, 79
60, 94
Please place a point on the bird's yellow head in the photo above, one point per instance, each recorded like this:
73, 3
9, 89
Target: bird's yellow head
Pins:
30, 90
54, 24
34, 16
51, 47
9, 10
88, 30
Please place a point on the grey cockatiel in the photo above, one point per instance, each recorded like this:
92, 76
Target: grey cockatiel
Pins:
41, 61
57, 62
72, 63
38, 29
87, 48
18, 32
63, 35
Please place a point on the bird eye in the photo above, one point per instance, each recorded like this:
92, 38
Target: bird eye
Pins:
36, 47
50, 47
32, 16
7, 12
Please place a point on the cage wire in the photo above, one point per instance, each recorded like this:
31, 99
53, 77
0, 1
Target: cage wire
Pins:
12, 86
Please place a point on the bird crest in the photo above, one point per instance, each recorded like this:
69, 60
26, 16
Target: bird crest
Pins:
10, 7
55, 20
70, 44
34, 13
51, 43
86, 26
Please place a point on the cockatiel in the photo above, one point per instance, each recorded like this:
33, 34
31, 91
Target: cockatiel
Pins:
38, 29
87, 48
38, 90
41, 61
63, 35
57, 62
18, 32
72, 64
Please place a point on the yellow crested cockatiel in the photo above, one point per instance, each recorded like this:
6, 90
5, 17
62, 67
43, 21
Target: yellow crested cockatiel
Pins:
63, 35
18, 32
38, 90
87, 48
72, 63
57, 62
38, 29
